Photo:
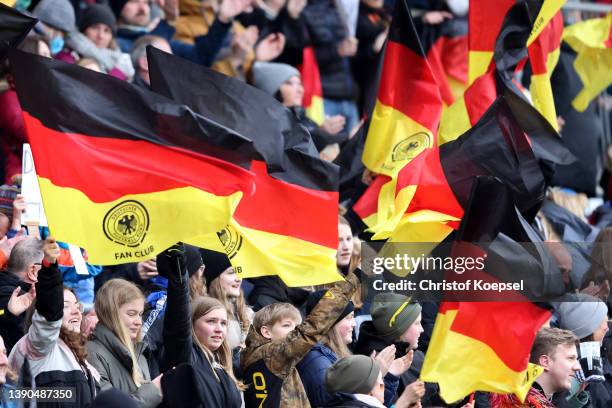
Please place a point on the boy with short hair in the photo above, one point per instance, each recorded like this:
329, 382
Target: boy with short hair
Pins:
279, 339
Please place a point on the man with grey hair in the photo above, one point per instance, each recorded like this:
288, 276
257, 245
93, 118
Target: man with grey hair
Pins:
139, 57
18, 279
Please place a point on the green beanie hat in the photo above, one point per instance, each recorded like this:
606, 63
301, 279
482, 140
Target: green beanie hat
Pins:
353, 375
392, 315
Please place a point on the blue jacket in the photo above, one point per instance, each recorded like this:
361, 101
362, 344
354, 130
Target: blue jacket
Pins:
204, 51
312, 370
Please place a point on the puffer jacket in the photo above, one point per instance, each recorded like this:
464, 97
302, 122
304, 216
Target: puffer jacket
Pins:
270, 366
112, 360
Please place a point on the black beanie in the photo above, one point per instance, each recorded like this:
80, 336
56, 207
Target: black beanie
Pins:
95, 14
117, 6
194, 259
215, 263
315, 297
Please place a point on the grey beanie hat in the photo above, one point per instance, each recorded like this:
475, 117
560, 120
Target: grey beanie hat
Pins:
392, 314
353, 375
269, 76
58, 14
582, 315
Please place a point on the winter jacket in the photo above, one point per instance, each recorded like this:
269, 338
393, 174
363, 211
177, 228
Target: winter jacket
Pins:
346, 401
369, 341
203, 51
312, 370
270, 289
270, 366
214, 386
109, 59
50, 361
5, 402
194, 22
12, 327
326, 31
113, 362
319, 136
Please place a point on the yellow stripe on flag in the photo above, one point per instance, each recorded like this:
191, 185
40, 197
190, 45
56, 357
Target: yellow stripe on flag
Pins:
455, 122
594, 60
255, 253
135, 227
548, 10
316, 111
394, 139
478, 63
541, 91
484, 372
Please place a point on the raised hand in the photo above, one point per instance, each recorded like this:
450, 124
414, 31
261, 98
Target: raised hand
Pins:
51, 250
270, 47
19, 303
400, 365
384, 358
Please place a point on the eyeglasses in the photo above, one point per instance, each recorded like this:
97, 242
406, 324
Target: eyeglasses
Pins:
69, 305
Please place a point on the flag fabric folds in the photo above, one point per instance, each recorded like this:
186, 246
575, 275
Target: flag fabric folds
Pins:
14, 26
408, 106
288, 227
592, 41
124, 172
472, 347
313, 89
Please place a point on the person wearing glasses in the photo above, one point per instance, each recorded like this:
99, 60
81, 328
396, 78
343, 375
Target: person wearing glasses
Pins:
53, 346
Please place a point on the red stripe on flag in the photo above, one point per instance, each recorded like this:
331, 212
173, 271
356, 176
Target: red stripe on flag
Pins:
286, 209
106, 169
408, 85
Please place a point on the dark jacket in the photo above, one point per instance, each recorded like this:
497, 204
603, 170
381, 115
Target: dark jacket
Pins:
270, 289
369, 341
270, 366
179, 347
204, 50
49, 360
326, 31
112, 360
319, 136
312, 370
345, 401
12, 327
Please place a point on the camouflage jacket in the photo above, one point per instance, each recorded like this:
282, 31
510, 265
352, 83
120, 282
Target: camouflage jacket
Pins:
269, 367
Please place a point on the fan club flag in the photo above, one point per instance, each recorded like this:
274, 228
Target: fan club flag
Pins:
123, 172
408, 106
592, 41
288, 226
313, 89
483, 346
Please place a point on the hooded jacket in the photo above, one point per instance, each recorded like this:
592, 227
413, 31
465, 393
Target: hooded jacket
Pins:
270, 366
112, 360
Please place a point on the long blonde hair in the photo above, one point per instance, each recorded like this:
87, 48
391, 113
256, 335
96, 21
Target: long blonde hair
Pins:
237, 307
111, 296
200, 307
336, 343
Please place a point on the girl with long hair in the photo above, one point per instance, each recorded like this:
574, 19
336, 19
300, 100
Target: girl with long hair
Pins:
195, 333
116, 349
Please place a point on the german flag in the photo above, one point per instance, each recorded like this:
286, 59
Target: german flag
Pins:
14, 26
124, 172
408, 107
313, 90
500, 50
446, 47
592, 41
511, 141
473, 348
288, 227
543, 56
